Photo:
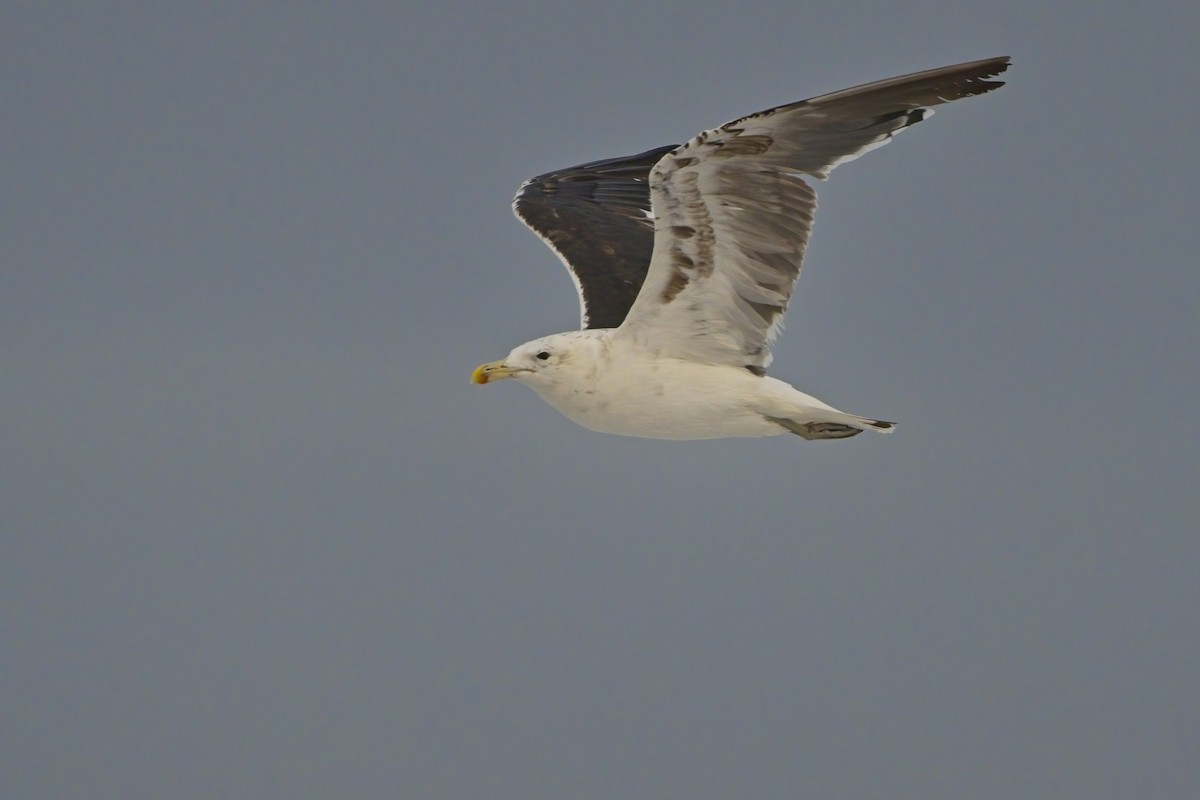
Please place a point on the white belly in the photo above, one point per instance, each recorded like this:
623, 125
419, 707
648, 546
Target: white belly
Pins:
670, 399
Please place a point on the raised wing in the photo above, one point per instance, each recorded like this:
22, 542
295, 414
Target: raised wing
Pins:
596, 218
732, 215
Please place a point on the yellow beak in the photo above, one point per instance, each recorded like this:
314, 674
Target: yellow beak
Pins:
493, 371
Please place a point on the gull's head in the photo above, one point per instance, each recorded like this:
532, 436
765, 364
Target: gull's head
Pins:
541, 362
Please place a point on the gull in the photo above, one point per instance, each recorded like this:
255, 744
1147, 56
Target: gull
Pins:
685, 258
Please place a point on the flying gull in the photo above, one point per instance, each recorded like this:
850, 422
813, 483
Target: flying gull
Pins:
685, 258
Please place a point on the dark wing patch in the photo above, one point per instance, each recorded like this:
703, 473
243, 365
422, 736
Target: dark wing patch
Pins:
596, 218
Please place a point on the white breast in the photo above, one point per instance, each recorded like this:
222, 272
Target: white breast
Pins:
627, 390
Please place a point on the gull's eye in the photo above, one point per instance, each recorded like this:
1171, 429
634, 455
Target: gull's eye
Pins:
543, 355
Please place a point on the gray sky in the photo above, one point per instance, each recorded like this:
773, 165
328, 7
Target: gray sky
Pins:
261, 538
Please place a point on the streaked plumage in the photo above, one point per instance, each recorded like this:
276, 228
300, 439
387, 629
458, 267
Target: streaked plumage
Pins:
685, 259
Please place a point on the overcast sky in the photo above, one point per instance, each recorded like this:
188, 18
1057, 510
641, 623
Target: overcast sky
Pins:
261, 538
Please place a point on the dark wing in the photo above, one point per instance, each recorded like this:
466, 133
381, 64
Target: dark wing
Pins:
733, 208
596, 218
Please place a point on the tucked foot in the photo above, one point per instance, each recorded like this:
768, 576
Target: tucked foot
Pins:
831, 430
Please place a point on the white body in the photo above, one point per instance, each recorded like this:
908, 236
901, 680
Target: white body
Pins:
609, 383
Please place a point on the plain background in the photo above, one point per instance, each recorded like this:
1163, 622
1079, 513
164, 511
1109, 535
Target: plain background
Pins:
261, 538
